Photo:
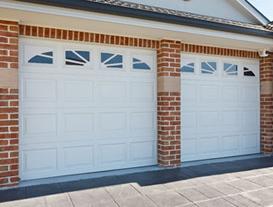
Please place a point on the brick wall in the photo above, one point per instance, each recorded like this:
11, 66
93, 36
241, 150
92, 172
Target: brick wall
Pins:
168, 115
208, 50
9, 158
72, 35
266, 76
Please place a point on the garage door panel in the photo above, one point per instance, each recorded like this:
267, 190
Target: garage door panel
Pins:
230, 95
112, 124
44, 124
189, 120
227, 110
111, 154
114, 92
142, 92
231, 143
250, 120
189, 93
250, 102
141, 151
208, 145
78, 91
208, 122
189, 146
39, 90
79, 156
41, 159
77, 123
208, 93
143, 124
97, 115
231, 120
250, 142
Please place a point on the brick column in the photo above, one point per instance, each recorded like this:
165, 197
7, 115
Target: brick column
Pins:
168, 109
9, 158
266, 77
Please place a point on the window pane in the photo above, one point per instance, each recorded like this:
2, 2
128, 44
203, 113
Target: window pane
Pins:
189, 68
248, 72
43, 58
140, 65
110, 60
208, 67
231, 69
79, 58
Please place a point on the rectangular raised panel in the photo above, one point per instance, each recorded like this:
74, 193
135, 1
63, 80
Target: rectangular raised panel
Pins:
39, 160
142, 92
189, 119
219, 113
208, 119
111, 92
189, 146
250, 94
250, 142
230, 143
40, 124
208, 145
78, 90
230, 94
79, 123
78, 156
189, 93
110, 122
113, 153
208, 94
250, 120
143, 150
40, 90
143, 121
231, 119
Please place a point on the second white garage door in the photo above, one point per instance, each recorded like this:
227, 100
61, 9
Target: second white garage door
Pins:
220, 107
85, 108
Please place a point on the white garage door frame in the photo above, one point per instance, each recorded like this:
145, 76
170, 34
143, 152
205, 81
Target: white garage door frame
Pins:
136, 142
220, 112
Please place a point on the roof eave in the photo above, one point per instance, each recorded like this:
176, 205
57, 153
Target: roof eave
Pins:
254, 11
148, 15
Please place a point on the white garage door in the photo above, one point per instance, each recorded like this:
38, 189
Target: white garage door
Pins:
220, 107
85, 108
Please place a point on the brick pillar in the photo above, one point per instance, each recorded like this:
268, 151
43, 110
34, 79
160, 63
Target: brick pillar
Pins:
168, 100
9, 158
266, 77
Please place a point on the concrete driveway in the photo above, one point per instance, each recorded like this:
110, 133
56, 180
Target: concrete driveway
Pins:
240, 183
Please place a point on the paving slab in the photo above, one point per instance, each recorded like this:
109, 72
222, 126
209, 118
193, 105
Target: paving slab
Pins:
96, 197
169, 199
192, 194
122, 191
191, 183
137, 201
225, 188
149, 189
209, 192
263, 197
244, 185
241, 201
246, 174
33, 202
58, 200
220, 202
263, 180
